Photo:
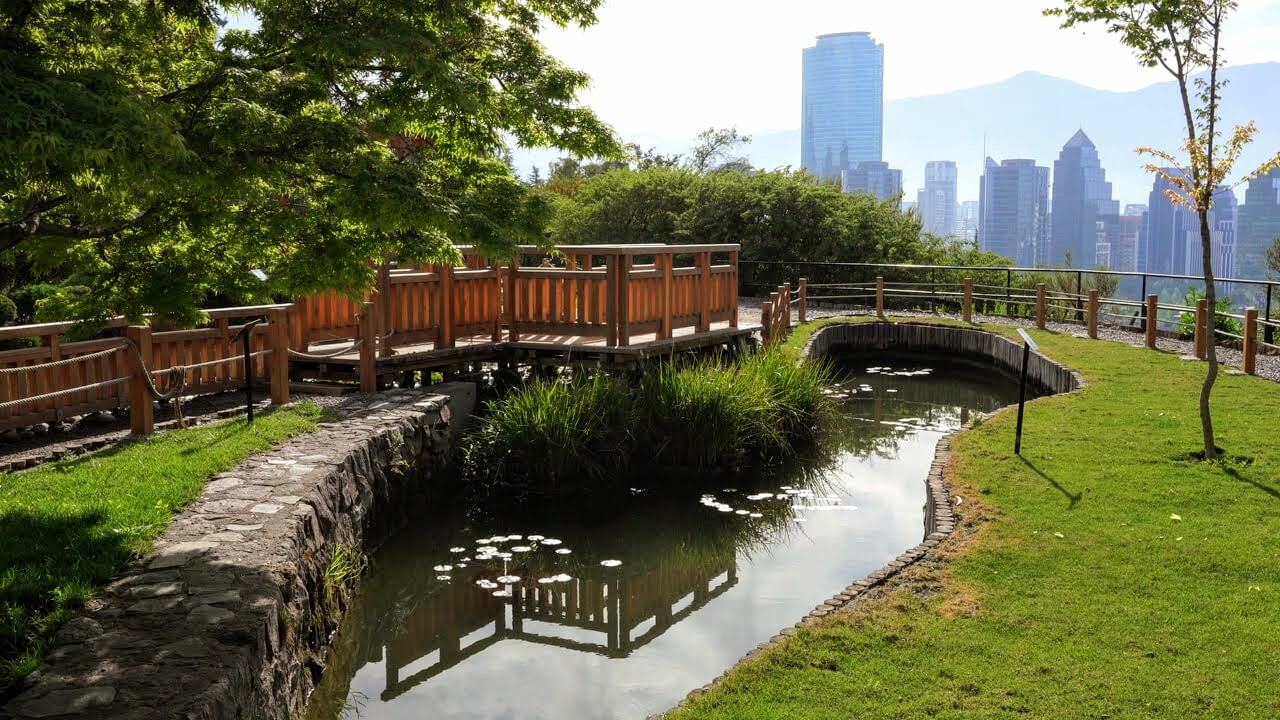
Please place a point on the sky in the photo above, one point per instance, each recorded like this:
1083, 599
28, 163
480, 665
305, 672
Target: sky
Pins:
668, 68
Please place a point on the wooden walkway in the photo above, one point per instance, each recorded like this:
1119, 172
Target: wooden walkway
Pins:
598, 305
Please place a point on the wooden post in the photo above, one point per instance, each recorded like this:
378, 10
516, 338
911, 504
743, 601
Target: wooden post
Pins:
624, 299
368, 348
766, 320
880, 297
1250, 349
448, 331
141, 411
1042, 305
967, 309
803, 307
664, 261
786, 305
704, 291
509, 300
733, 291
278, 364
383, 307
493, 286
1093, 314
1202, 339
1153, 320
611, 299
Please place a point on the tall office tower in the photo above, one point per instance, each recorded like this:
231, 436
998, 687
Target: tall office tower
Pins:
1012, 212
967, 220
937, 201
876, 178
842, 113
1164, 247
1124, 252
1259, 224
1081, 199
1222, 237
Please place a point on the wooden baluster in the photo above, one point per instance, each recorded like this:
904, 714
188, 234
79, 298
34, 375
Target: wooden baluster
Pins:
1153, 320
493, 288
1250, 349
704, 291
1042, 305
611, 263
1093, 314
624, 299
765, 322
1202, 340
368, 367
278, 360
803, 307
664, 262
141, 411
967, 308
509, 299
786, 305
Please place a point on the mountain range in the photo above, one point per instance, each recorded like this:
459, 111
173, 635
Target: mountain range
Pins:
1031, 115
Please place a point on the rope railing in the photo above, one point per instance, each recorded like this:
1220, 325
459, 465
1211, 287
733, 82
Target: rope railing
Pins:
63, 362
35, 399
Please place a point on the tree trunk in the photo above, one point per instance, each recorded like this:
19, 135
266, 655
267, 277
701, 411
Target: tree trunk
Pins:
1211, 298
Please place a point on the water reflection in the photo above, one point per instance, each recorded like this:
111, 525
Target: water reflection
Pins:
618, 611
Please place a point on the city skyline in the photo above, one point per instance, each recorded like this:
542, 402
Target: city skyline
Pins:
842, 103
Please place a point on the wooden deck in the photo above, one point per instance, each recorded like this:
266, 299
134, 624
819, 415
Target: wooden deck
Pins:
597, 304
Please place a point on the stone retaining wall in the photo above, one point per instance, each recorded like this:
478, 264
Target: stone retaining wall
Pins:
230, 616
1047, 376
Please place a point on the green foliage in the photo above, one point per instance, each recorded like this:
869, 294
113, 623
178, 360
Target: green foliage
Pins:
72, 525
151, 158
1187, 320
557, 436
8, 310
1273, 257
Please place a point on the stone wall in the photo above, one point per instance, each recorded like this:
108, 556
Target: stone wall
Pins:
1001, 353
230, 616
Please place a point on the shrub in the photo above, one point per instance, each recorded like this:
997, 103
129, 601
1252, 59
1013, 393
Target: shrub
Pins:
1187, 320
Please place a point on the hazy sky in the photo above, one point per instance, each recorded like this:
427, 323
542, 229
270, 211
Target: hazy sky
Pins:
664, 68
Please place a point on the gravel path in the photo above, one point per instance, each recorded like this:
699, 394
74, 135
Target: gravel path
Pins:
1268, 366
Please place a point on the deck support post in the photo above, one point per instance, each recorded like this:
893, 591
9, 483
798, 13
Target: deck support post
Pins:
1202, 327
967, 309
368, 367
509, 299
1153, 320
1042, 305
1250, 349
624, 299
880, 297
733, 290
1093, 314
382, 308
766, 322
141, 410
448, 327
664, 262
703, 261
802, 309
278, 364
611, 263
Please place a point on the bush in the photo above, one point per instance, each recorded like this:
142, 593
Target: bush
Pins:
552, 437
1187, 320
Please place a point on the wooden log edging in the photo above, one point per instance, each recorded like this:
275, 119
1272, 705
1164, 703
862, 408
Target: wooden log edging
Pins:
231, 614
940, 518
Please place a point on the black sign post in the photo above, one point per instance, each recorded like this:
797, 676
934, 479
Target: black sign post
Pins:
246, 335
1027, 346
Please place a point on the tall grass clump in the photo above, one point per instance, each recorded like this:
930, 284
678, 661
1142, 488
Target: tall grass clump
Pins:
555, 436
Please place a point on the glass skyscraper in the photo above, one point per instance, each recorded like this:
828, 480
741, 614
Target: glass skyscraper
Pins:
1081, 203
874, 178
937, 201
842, 114
1259, 224
1012, 211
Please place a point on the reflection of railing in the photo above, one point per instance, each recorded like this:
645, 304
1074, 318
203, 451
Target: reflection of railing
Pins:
1042, 294
609, 607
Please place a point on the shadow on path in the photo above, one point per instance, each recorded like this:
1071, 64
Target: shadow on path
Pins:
1074, 499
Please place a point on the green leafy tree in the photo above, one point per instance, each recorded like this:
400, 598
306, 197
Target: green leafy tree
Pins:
1273, 257
718, 149
152, 157
1183, 37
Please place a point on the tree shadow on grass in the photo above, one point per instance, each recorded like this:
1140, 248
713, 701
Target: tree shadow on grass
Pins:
1073, 499
1237, 475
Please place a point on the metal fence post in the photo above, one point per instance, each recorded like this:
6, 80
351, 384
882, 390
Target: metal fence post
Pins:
1079, 296
1269, 333
1143, 294
1008, 292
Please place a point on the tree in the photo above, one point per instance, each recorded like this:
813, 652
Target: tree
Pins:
1183, 37
715, 150
152, 158
1273, 257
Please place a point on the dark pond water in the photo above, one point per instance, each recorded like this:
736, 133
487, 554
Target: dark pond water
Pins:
618, 613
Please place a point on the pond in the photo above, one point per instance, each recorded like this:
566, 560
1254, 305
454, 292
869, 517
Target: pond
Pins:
619, 611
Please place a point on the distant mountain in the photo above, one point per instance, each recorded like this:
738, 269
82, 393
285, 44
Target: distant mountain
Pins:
1031, 115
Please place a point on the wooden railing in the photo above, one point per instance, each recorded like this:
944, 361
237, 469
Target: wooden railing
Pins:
775, 312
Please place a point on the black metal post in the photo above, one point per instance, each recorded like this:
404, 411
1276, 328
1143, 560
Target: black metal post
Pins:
1269, 334
1008, 292
1022, 397
933, 290
1142, 299
246, 336
1079, 296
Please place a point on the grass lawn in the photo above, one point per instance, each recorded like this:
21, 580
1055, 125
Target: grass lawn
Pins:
67, 527
1099, 576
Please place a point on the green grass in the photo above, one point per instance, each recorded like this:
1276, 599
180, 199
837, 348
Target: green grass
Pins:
556, 436
67, 527
1073, 589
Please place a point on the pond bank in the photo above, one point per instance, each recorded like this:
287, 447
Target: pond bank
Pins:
231, 614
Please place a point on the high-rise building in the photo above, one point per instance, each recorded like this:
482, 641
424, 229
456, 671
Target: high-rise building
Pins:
1222, 237
1124, 253
1170, 241
875, 178
1259, 224
937, 201
1081, 200
842, 112
1012, 211
967, 220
